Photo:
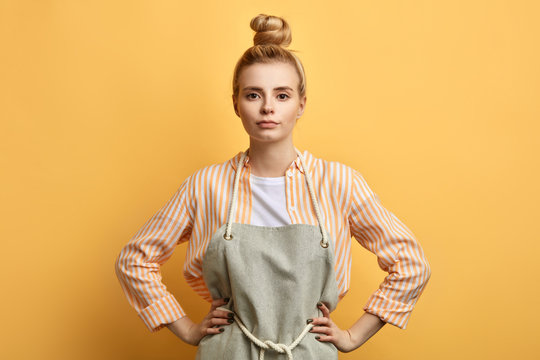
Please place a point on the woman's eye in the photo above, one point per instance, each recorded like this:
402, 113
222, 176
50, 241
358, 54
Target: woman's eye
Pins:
285, 96
252, 96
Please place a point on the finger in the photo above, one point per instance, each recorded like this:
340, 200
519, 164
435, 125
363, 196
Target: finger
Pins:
222, 314
219, 322
321, 321
325, 310
225, 300
220, 301
321, 330
324, 338
213, 331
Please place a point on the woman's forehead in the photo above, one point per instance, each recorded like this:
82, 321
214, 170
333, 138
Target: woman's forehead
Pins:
272, 75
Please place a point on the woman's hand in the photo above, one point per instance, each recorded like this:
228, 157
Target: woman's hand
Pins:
192, 333
330, 332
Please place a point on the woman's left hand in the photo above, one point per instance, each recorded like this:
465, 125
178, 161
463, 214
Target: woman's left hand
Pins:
330, 332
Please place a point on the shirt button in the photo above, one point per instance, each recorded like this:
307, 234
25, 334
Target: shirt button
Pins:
292, 208
289, 173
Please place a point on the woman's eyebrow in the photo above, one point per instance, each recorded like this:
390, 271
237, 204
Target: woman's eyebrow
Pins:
260, 89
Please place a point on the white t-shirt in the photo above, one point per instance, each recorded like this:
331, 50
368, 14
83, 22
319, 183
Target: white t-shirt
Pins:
269, 203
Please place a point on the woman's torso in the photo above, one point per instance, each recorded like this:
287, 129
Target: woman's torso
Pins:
208, 192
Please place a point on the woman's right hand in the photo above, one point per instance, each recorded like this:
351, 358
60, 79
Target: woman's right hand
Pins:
192, 333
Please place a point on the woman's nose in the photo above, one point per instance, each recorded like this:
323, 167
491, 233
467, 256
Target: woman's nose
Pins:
267, 107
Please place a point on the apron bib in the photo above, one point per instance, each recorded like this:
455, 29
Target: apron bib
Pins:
274, 277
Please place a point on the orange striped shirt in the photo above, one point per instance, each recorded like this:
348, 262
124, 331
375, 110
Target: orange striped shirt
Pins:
349, 208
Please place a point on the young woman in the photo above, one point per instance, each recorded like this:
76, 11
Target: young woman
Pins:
268, 234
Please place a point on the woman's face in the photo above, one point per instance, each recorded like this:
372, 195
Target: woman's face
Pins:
268, 101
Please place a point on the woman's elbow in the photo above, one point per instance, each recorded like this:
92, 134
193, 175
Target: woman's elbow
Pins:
120, 265
425, 271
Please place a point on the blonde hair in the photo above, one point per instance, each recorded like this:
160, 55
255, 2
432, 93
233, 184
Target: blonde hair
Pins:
272, 35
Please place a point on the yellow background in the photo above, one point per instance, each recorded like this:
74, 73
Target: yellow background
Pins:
106, 106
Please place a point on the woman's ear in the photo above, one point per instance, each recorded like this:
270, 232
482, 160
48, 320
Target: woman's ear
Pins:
302, 106
235, 105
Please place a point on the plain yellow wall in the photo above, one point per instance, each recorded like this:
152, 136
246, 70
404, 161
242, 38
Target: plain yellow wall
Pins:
105, 103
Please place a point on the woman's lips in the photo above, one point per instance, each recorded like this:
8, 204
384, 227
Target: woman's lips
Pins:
267, 124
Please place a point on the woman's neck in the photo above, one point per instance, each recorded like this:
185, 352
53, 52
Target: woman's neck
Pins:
271, 160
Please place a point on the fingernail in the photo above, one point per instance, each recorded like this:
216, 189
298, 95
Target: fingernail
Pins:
319, 303
317, 337
221, 329
231, 315
230, 321
309, 321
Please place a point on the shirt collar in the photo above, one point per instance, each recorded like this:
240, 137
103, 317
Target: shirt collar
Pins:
297, 163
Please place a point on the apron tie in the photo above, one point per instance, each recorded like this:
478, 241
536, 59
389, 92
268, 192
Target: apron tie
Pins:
265, 345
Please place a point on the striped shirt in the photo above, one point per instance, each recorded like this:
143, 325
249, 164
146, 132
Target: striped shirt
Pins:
349, 208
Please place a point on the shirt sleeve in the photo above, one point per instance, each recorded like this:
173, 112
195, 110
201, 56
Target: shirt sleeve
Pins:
138, 264
398, 253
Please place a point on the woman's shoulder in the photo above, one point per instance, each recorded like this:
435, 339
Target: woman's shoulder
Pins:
342, 176
330, 168
212, 169
211, 173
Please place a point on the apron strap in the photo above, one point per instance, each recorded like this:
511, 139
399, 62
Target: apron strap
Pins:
233, 202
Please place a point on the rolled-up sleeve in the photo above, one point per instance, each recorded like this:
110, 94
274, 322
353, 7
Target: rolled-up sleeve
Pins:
398, 253
138, 264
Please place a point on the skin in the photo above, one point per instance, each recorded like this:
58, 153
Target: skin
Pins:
192, 333
270, 92
345, 340
271, 151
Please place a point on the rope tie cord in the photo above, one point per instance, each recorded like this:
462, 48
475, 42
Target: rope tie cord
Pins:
232, 205
266, 345
324, 241
233, 201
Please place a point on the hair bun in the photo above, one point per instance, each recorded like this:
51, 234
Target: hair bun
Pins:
270, 30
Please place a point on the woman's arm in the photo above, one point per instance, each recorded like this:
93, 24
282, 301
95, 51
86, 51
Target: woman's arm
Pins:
346, 340
138, 266
182, 328
398, 253
192, 333
364, 328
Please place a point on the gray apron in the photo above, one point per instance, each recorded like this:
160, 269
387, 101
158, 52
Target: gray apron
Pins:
274, 277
